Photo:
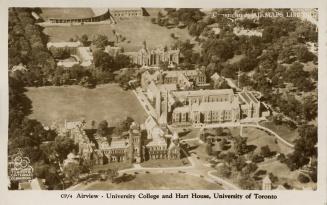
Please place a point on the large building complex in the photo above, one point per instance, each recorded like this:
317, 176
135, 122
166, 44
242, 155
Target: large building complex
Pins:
148, 141
176, 102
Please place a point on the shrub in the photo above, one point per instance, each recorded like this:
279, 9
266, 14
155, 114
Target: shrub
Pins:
303, 179
257, 158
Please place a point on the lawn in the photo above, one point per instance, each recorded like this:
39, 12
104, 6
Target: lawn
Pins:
151, 181
72, 103
260, 138
136, 30
283, 131
112, 165
166, 163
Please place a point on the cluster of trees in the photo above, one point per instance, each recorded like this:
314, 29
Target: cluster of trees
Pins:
27, 45
42, 146
305, 147
183, 17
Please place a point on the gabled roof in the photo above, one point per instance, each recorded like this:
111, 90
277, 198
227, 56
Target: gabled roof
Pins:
266, 180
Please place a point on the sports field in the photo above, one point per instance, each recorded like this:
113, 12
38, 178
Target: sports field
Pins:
135, 30
105, 102
66, 13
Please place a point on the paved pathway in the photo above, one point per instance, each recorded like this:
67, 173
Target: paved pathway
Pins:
271, 132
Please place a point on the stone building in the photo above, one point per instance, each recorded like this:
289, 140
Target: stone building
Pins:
206, 106
126, 12
249, 105
153, 57
149, 141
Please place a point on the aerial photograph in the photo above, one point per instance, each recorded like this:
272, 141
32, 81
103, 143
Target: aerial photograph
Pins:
162, 98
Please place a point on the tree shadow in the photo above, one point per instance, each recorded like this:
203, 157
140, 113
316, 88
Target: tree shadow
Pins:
124, 178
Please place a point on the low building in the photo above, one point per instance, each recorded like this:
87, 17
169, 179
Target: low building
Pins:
34, 184
82, 55
126, 12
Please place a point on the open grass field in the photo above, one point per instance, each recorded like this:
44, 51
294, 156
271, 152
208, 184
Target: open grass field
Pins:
112, 165
135, 30
285, 132
66, 13
153, 181
105, 102
260, 138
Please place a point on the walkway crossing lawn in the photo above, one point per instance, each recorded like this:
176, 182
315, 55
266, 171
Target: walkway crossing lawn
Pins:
105, 102
161, 181
283, 131
261, 138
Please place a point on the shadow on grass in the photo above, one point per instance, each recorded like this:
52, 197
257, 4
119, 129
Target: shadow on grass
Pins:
124, 178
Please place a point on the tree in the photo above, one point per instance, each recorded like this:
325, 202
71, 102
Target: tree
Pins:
240, 145
224, 171
247, 183
265, 151
63, 146
249, 169
239, 163
123, 126
273, 178
310, 108
229, 157
121, 61
85, 40
103, 128
223, 144
305, 147
72, 171
303, 54
303, 179
101, 41
103, 61
209, 148
257, 158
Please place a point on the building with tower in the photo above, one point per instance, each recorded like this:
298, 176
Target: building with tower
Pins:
266, 183
153, 57
149, 141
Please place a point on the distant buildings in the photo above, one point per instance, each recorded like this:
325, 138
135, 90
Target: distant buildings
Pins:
126, 12
98, 18
183, 79
106, 15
